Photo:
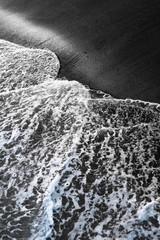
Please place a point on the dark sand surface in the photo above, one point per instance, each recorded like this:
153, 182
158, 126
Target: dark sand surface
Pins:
109, 45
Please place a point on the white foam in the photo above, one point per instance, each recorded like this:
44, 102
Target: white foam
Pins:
68, 156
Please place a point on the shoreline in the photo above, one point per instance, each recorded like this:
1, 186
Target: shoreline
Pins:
114, 49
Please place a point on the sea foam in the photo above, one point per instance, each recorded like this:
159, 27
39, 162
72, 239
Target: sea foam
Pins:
74, 163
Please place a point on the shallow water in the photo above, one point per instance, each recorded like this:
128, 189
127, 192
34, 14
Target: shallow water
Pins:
74, 163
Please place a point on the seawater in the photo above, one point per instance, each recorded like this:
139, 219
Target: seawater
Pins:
74, 163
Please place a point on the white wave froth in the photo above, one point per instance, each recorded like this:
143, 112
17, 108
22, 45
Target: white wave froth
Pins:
75, 164
22, 67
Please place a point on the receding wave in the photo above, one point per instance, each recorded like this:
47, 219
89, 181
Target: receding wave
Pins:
74, 163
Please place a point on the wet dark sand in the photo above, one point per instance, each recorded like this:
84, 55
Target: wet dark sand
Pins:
109, 45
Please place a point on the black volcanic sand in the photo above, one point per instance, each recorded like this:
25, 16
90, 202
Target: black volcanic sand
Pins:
109, 45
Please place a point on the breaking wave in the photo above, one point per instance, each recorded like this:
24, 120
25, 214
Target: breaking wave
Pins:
74, 163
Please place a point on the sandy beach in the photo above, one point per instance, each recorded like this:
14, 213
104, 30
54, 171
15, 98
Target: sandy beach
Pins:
109, 45
76, 163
